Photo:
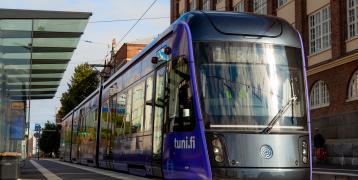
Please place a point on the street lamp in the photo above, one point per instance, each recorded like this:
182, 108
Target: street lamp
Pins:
95, 42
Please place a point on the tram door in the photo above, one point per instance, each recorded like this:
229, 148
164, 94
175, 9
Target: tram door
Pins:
158, 122
184, 148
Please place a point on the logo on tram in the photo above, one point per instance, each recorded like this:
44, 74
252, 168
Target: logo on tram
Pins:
266, 151
187, 143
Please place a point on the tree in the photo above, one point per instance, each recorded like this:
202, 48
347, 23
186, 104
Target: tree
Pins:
83, 82
50, 138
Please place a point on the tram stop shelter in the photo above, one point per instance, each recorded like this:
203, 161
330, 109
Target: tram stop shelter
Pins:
35, 48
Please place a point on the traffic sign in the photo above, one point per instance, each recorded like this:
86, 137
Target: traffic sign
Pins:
37, 127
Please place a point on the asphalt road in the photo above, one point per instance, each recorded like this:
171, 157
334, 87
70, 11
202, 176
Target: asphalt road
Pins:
56, 170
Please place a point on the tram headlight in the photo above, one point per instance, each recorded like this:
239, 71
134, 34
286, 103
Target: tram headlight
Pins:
218, 150
219, 158
305, 159
304, 152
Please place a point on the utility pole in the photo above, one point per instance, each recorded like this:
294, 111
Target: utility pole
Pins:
99, 111
37, 136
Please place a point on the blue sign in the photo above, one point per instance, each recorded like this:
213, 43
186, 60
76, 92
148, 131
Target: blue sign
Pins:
162, 55
17, 128
37, 127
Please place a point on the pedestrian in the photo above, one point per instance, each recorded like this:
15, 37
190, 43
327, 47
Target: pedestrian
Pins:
319, 143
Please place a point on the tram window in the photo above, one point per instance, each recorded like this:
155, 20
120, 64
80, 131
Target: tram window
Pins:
112, 115
82, 121
159, 111
121, 113
91, 124
104, 121
147, 66
180, 97
127, 122
135, 73
148, 104
125, 79
137, 108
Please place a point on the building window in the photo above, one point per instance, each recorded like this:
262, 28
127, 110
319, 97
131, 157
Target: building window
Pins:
239, 7
320, 30
281, 2
353, 87
206, 5
352, 15
260, 6
193, 5
319, 96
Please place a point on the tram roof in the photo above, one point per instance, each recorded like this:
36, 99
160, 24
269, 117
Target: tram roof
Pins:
35, 49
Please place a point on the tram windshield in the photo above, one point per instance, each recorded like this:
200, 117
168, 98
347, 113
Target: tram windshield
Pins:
246, 86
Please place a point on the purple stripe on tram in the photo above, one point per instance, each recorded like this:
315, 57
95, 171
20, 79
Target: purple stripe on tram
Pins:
196, 97
308, 102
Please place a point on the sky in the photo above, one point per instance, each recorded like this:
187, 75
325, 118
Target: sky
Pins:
99, 33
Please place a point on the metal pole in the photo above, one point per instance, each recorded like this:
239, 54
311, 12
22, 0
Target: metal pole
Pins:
29, 113
38, 145
99, 120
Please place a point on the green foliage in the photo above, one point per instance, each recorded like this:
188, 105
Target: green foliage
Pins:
50, 138
83, 82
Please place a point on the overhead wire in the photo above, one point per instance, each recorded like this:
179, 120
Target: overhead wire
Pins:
141, 17
126, 34
124, 20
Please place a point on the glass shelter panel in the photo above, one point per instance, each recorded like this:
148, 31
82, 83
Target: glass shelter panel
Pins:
15, 54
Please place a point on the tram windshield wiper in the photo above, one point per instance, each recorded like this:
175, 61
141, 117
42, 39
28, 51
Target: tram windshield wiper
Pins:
278, 116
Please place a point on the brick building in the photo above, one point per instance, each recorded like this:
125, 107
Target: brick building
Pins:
124, 54
32, 146
330, 33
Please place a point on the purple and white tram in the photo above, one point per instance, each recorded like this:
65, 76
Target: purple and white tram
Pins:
218, 95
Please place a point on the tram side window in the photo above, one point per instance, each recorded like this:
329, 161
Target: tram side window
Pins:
91, 117
181, 114
82, 122
159, 111
137, 108
88, 120
127, 122
104, 120
112, 115
121, 113
148, 104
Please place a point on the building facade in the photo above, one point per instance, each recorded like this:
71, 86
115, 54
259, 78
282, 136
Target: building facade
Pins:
124, 54
329, 29
31, 148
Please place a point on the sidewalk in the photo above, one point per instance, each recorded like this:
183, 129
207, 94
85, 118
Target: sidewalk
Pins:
56, 170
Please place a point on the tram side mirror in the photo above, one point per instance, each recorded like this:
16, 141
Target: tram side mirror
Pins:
186, 112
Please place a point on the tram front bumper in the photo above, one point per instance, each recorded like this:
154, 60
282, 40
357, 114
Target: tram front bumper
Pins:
261, 173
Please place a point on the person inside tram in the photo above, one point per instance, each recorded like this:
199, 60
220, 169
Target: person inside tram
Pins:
319, 143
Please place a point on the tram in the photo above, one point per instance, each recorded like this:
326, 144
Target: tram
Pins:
218, 95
